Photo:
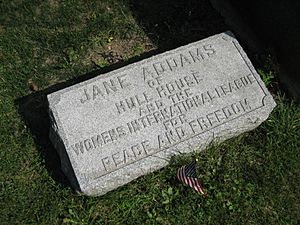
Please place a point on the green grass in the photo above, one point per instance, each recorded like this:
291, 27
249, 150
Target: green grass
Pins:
251, 179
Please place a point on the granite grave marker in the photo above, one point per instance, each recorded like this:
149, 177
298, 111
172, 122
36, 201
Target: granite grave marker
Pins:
121, 125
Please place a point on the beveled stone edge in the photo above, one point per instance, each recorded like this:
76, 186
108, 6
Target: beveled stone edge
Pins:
57, 135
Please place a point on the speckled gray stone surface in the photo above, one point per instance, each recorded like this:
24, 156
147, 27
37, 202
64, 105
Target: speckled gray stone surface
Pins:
121, 125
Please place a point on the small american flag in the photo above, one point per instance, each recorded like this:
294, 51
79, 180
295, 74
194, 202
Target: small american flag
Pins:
187, 174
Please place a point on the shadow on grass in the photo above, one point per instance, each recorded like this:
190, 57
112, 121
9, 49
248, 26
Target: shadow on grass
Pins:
168, 24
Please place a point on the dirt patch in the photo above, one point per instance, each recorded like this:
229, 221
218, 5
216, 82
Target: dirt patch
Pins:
54, 79
118, 50
50, 60
53, 3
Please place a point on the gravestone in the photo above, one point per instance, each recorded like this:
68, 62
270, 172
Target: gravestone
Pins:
118, 126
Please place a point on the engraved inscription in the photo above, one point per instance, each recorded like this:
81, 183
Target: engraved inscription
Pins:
177, 132
105, 88
131, 121
181, 60
126, 156
99, 140
151, 112
132, 102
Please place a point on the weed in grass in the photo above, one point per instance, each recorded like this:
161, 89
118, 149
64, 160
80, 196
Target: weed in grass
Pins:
101, 62
71, 55
267, 77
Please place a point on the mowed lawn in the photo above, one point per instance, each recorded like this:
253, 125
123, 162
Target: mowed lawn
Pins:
46, 45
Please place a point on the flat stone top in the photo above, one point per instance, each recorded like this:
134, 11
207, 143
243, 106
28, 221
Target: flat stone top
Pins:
123, 124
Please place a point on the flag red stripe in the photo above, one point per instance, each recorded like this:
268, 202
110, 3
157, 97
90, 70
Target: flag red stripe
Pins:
184, 173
